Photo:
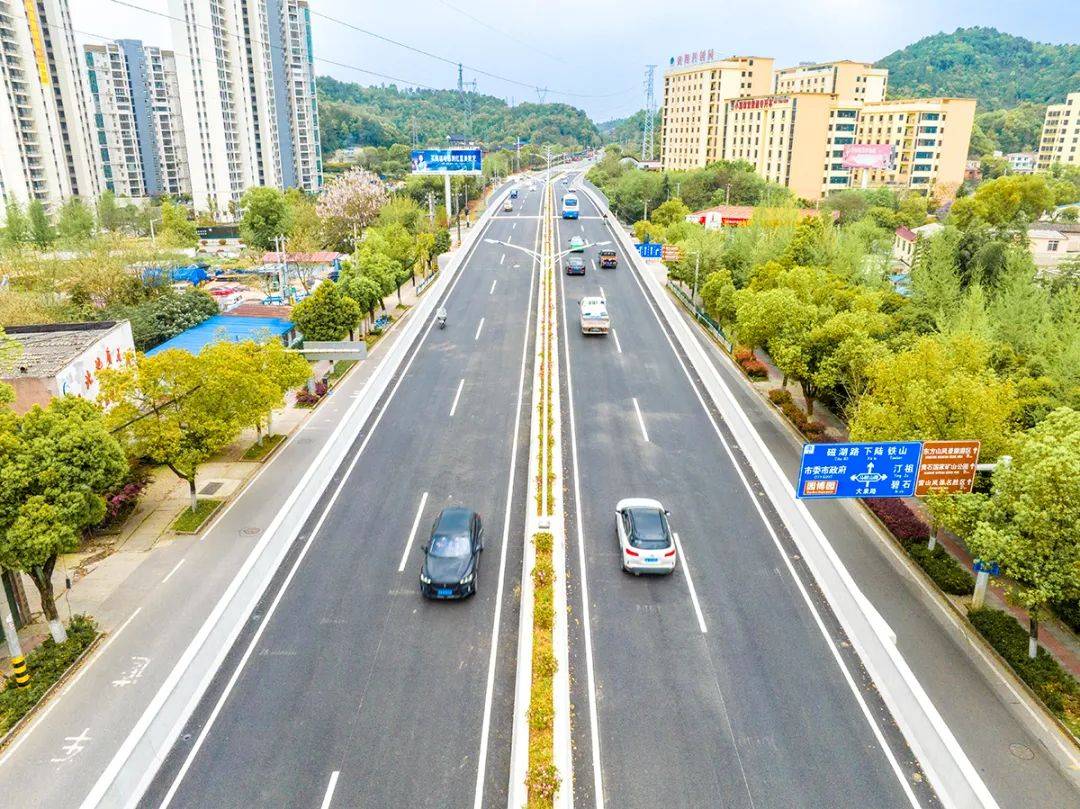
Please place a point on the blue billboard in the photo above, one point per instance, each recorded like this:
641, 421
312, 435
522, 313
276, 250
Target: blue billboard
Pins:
876, 469
447, 161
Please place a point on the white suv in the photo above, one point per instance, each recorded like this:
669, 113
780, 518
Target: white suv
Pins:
646, 544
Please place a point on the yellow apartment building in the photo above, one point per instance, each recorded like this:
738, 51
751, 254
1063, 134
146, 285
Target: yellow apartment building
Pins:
850, 81
695, 97
931, 137
1060, 140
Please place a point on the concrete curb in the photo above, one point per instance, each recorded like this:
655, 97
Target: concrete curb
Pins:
135, 763
957, 782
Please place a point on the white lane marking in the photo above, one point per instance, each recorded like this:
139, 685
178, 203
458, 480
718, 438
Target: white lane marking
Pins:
412, 533
453, 407
493, 283
593, 262
641, 421
586, 620
886, 749
22, 737
602, 295
690, 585
489, 696
329, 796
235, 676
512, 227
502, 258
509, 239
479, 328
169, 574
618, 346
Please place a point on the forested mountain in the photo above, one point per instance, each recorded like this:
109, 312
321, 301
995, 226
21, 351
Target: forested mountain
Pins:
354, 115
627, 132
998, 69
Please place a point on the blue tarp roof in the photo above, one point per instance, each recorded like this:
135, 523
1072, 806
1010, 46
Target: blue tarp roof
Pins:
233, 328
194, 274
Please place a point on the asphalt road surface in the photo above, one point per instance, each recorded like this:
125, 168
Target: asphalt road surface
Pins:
728, 683
358, 691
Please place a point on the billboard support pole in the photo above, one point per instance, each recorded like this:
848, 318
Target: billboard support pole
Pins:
865, 179
449, 210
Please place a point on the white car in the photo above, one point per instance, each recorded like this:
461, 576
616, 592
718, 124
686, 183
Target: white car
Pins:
508, 206
646, 544
594, 316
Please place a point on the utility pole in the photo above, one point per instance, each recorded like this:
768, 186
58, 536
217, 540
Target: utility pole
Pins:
11, 635
650, 114
519, 155
431, 208
449, 202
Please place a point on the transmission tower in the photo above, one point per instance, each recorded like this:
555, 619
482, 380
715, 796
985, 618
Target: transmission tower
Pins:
541, 93
647, 134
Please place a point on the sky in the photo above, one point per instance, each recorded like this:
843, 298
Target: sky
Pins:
592, 53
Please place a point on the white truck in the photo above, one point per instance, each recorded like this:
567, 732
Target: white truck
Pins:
594, 316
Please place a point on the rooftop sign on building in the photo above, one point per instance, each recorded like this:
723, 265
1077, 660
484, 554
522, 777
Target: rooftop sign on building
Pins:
693, 58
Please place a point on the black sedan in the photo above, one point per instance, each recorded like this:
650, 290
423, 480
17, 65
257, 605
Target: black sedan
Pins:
575, 265
452, 555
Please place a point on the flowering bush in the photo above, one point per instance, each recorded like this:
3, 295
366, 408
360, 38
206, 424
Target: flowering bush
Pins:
779, 396
755, 369
742, 354
904, 523
350, 202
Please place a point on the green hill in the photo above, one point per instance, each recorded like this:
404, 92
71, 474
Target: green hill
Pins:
626, 132
354, 115
1000, 70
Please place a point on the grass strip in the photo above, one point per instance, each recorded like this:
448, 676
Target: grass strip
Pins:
542, 778
258, 451
189, 522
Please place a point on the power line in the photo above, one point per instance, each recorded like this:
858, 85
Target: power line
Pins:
500, 32
267, 44
455, 62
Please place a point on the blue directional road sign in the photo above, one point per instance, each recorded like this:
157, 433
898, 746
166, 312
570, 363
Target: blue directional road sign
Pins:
879, 469
986, 567
650, 249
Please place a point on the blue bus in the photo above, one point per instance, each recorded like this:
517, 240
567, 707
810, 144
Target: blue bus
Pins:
570, 206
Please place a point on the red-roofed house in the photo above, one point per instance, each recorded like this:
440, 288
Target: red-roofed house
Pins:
738, 215
906, 244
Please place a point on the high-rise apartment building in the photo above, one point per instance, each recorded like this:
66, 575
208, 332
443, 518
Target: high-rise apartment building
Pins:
931, 137
137, 113
1060, 140
793, 127
794, 140
695, 103
47, 143
247, 95
850, 81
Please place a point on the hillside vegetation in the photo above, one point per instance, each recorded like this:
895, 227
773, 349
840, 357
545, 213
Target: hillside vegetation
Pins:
1000, 70
354, 115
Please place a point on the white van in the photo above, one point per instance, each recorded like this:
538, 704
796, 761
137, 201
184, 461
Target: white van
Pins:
594, 316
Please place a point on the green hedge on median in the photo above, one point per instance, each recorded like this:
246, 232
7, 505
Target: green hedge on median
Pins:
46, 664
940, 566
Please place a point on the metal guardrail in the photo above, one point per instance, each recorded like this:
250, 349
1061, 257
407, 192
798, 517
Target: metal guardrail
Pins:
700, 315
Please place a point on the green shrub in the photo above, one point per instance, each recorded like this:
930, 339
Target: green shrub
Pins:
946, 572
779, 396
1058, 690
1069, 612
46, 664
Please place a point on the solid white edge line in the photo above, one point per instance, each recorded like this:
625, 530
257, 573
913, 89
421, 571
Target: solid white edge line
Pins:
618, 345
412, 533
489, 695
690, 585
169, 574
22, 737
886, 748
329, 796
479, 328
453, 407
641, 420
586, 615
205, 730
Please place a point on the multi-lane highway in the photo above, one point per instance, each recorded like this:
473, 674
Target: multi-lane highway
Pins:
355, 688
728, 683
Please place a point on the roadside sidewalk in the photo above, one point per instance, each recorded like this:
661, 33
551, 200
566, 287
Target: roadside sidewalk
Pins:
1021, 754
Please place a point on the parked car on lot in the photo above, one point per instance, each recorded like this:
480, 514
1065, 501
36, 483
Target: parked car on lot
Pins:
646, 543
575, 264
452, 554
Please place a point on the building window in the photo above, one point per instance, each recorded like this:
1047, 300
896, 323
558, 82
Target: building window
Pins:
1051, 246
